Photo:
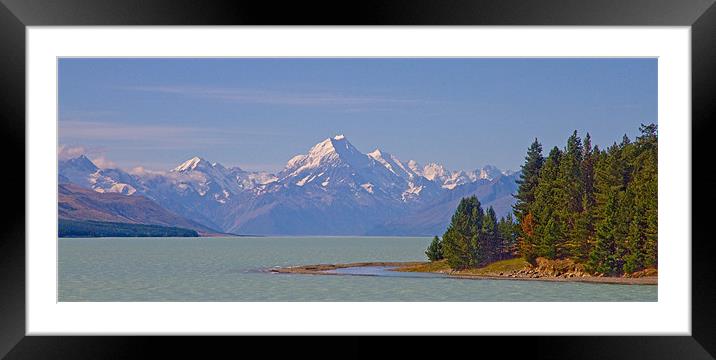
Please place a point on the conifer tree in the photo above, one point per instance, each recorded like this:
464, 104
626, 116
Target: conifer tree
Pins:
508, 234
571, 189
608, 176
548, 197
627, 155
489, 240
587, 172
584, 231
584, 225
528, 179
634, 259
603, 258
548, 246
527, 240
434, 251
460, 241
647, 182
651, 254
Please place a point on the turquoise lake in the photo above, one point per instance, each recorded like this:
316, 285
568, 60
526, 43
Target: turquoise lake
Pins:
234, 269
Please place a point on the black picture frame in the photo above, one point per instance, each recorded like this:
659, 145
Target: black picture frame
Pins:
700, 15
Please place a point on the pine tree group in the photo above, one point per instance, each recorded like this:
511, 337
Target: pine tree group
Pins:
474, 237
597, 207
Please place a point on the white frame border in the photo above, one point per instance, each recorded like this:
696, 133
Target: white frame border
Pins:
670, 315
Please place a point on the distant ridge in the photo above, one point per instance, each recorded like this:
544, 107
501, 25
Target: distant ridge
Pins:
79, 204
91, 228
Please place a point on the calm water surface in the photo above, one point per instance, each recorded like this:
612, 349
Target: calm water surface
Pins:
233, 269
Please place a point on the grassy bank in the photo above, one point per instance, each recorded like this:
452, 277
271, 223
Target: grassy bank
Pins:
511, 269
496, 268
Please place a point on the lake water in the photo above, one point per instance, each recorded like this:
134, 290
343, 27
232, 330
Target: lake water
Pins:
234, 269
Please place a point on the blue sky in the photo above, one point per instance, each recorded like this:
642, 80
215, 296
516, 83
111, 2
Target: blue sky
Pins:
258, 113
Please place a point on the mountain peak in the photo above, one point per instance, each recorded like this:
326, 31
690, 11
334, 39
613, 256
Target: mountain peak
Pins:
386, 158
489, 172
81, 162
434, 171
377, 154
329, 152
332, 147
191, 164
322, 149
393, 164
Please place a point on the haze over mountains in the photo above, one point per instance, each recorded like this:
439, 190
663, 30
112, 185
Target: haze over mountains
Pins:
333, 189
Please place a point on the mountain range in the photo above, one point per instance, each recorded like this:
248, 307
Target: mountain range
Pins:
332, 189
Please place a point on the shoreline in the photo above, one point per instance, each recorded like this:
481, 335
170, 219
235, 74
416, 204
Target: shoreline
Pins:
323, 269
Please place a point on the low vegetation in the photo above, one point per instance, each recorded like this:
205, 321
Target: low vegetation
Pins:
496, 268
439, 266
500, 267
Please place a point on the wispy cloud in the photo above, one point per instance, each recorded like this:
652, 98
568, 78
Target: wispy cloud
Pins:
97, 130
87, 114
141, 170
269, 167
65, 152
273, 97
159, 136
97, 155
103, 162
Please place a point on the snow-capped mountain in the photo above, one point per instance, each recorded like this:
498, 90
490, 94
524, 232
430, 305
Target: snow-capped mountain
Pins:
419, 187
252, 181
204, 177
491, 172
332, 189
393, 164
213, 178
203, 190
82, 171
335, 165
451, 179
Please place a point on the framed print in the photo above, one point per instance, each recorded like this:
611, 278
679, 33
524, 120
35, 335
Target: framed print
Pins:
415, 179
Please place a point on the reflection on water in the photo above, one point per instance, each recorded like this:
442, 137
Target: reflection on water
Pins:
227, 269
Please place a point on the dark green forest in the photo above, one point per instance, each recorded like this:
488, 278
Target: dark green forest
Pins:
595, 206
90, 228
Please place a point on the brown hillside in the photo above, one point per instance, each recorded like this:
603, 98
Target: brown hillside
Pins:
78, 203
